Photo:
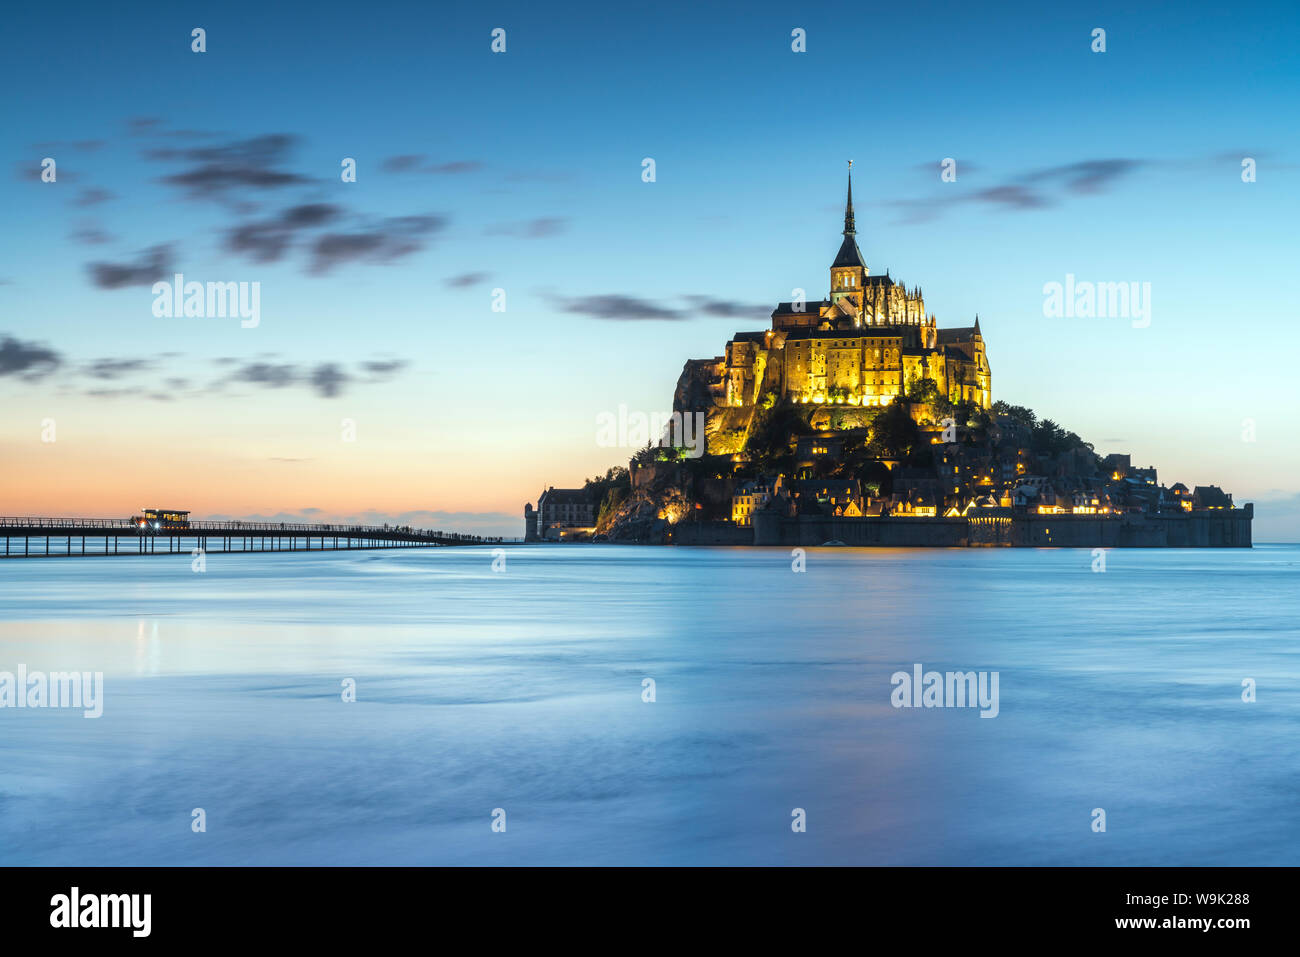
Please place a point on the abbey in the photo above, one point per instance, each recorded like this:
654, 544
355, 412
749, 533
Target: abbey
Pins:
868, 342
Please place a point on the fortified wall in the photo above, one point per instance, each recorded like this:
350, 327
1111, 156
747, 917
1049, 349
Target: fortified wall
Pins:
1229, 528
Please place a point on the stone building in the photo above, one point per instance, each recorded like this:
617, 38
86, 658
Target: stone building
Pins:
869, 341
561, 513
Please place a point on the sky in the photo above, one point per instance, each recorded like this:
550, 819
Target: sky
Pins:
380, 383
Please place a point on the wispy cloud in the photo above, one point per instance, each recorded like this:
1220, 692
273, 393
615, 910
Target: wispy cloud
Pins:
267, 240
27, 360
93, 197
419, 163
327, 379
152, 265
90, 235
623, 307
726, 309
464, 280
530, 229
618, 307
1034, 190
218, 171
383, 242
116, 368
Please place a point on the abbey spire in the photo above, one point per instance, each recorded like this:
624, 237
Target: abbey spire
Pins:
849, 255
849, 228
849, 272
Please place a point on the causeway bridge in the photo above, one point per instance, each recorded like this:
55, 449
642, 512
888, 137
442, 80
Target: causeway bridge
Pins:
30, 537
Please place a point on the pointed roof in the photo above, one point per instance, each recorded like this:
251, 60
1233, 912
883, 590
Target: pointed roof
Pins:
849, 254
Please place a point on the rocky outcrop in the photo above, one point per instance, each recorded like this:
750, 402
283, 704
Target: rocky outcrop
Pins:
645, 516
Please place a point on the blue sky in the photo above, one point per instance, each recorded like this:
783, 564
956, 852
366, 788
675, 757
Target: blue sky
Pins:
524, 174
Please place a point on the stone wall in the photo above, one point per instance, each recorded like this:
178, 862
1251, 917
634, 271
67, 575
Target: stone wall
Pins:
709, 533
1230, 528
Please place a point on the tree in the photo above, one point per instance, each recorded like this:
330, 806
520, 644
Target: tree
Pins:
893, 433
1021, 414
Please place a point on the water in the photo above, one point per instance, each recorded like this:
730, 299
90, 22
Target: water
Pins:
522, 690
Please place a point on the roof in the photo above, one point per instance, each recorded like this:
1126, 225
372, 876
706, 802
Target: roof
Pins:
1212, 495
809, 308
849, 254
565, 496
957, 334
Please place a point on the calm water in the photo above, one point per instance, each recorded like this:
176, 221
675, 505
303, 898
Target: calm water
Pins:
522, 690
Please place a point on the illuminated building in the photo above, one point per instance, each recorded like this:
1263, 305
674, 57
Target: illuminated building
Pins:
869, 341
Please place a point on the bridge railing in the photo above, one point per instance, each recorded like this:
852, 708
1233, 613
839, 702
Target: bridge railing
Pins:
288, 528
10, 521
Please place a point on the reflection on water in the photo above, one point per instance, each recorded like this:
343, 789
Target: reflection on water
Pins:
523, 690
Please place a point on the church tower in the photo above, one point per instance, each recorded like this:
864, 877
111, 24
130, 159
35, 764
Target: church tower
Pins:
848, 271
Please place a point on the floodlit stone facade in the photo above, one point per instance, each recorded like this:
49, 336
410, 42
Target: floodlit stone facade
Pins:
868, 342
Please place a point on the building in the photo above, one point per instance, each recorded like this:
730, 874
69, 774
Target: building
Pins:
561, 513
1210, 496
869, 341
163, 518
752, 496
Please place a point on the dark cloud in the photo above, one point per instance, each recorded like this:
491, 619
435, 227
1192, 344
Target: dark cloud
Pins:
402, 164
153, 264
267, 240
116, 368
27, 360
1009, 197
615, 306
1037, 189
419, 163
466, 279
269, 374
93, 197
531, 229
216, 171
328, 379
457, 166
29, 171
380, 369
724, 308
1089, 176
91, 236
384, 242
